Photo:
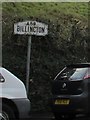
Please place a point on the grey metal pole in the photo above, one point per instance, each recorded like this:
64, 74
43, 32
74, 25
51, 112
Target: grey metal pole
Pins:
28, 64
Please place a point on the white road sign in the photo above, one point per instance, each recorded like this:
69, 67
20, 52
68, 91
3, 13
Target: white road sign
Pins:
31, 28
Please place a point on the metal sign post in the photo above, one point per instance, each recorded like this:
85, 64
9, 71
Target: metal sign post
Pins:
30, 28
28, 64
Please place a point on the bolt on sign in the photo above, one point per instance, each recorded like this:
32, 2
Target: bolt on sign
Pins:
31, 28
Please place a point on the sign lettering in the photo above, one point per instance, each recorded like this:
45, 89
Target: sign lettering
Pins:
31, 28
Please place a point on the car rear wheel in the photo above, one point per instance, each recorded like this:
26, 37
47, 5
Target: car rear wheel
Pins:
6, 113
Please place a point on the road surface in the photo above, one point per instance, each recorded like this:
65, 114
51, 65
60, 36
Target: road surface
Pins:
49, 116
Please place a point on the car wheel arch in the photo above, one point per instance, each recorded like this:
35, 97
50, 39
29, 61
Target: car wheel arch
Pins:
9, 103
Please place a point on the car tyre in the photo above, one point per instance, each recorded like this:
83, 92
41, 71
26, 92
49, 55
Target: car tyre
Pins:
7, 113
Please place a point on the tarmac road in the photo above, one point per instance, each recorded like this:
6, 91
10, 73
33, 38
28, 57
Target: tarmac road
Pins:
54, 119
49, 116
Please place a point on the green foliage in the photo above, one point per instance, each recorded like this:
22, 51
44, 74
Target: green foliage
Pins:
66, 42
46, 10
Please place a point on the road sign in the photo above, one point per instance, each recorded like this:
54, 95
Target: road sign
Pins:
31, 28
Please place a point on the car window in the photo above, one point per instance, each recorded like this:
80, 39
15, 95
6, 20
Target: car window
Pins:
74, 73
79, 73
87, 74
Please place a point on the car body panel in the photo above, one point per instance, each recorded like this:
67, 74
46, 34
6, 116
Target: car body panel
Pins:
12, 87
13, 92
